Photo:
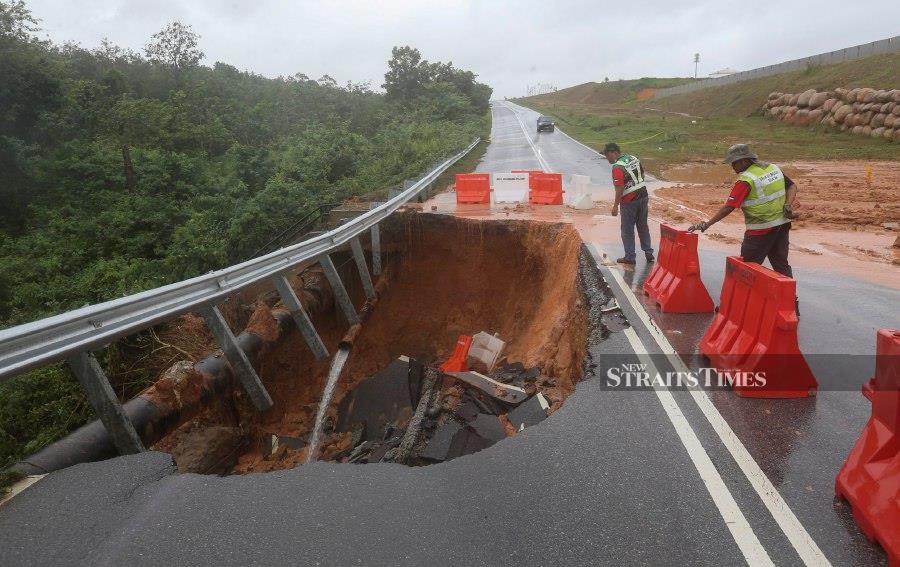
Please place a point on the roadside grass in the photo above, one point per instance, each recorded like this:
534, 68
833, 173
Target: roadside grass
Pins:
661, 140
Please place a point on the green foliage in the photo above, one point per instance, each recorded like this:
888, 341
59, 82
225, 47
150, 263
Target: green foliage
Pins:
120, 173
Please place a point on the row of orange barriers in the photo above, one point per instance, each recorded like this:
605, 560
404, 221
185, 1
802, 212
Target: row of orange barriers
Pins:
543, 188
753, 335
754, 332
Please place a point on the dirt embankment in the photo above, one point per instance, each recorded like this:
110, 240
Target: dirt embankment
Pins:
448, 277
849, 208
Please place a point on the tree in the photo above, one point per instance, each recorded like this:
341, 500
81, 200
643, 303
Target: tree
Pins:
175, 46
16, 21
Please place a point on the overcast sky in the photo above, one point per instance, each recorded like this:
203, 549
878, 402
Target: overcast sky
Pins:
510, 45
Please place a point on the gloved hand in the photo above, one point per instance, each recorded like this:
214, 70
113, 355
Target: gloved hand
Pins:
789, 212
701, 226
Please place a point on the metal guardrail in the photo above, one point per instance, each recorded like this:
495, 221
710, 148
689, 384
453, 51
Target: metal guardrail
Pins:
64, 336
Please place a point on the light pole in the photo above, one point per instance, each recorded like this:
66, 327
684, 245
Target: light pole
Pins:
696, 64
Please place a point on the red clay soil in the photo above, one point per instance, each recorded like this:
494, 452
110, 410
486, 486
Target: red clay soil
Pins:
448, 277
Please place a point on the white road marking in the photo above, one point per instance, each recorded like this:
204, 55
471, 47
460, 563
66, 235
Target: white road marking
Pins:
537, 153
737, 523
793, 529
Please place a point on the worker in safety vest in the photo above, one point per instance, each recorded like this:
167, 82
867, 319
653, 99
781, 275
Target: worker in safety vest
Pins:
767, 197
631, 196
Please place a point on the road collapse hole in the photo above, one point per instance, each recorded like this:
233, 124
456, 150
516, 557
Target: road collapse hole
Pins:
531, 284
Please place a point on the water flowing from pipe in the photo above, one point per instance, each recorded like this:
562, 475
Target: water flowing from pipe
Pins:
337, 364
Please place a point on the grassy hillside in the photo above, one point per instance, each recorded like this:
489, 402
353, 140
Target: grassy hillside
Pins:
701, 125
744, 98
610, 92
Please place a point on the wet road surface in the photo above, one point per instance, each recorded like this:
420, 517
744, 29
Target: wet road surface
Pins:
614, 477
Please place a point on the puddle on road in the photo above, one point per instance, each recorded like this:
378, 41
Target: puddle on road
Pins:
531, 283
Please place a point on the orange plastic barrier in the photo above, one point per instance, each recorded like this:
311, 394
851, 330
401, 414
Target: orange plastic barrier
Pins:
870, 479
457, 361
473, 187
546, 188
754, 335
675, 282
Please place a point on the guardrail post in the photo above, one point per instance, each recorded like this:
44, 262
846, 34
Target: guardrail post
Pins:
240, 364
376, 250
360, 258
340, 292
105, 403
290, 300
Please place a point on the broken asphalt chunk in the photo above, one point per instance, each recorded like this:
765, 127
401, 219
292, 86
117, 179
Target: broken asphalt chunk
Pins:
531, 412
491, 387
439, 445
489, 427
467, 411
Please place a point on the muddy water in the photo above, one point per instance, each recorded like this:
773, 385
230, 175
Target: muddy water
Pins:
337, 365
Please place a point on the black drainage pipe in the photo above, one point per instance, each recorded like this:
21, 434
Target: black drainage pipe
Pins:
151, 418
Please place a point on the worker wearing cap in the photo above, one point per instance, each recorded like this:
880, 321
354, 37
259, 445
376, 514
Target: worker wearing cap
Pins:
767, 197
631, 197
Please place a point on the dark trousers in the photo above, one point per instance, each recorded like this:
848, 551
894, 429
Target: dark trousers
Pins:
634, 215
772, 245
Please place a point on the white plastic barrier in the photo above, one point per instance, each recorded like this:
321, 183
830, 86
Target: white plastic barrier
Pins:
510, 187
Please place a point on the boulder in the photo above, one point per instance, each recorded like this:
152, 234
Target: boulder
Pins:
868, 96
852, 94
889, 121
896, 110
775, 95
829, 104
815, 114
856, 130
842, 112
877, 132
883, 95
793, 100
897, 135
844, 127
888, 134
818, 99
841, 93
878, 120
804, 98
857, 107
866, 131
887, 107
865, 118
896, 95
851, 120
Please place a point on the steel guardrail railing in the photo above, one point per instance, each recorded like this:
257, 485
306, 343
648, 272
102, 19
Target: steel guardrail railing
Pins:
32, 345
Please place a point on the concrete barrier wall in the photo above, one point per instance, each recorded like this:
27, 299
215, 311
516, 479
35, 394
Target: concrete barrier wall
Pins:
889, 45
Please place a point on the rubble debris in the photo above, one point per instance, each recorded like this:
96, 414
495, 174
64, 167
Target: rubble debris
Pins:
384, 398
362, 450
438, 446
531, 412
359, 433
485, 350
491, 387
466, 442
414, 428
415, 375
467, 411
213, 450
488, 427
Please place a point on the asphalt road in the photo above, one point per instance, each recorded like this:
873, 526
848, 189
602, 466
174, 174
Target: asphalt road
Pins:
614, 477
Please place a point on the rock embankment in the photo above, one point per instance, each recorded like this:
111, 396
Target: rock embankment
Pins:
860, 111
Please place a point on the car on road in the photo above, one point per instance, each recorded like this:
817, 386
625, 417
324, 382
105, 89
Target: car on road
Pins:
545, 124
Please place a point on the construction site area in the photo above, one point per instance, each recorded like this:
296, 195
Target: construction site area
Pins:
463, 373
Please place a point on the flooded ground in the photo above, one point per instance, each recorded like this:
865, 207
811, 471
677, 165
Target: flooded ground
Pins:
848, 210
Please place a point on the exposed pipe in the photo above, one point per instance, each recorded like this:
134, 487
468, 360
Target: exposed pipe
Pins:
182, 390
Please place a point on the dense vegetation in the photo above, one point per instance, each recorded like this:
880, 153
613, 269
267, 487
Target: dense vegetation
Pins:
122, 171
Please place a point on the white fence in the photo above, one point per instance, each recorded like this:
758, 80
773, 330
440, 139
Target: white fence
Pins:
889, 45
